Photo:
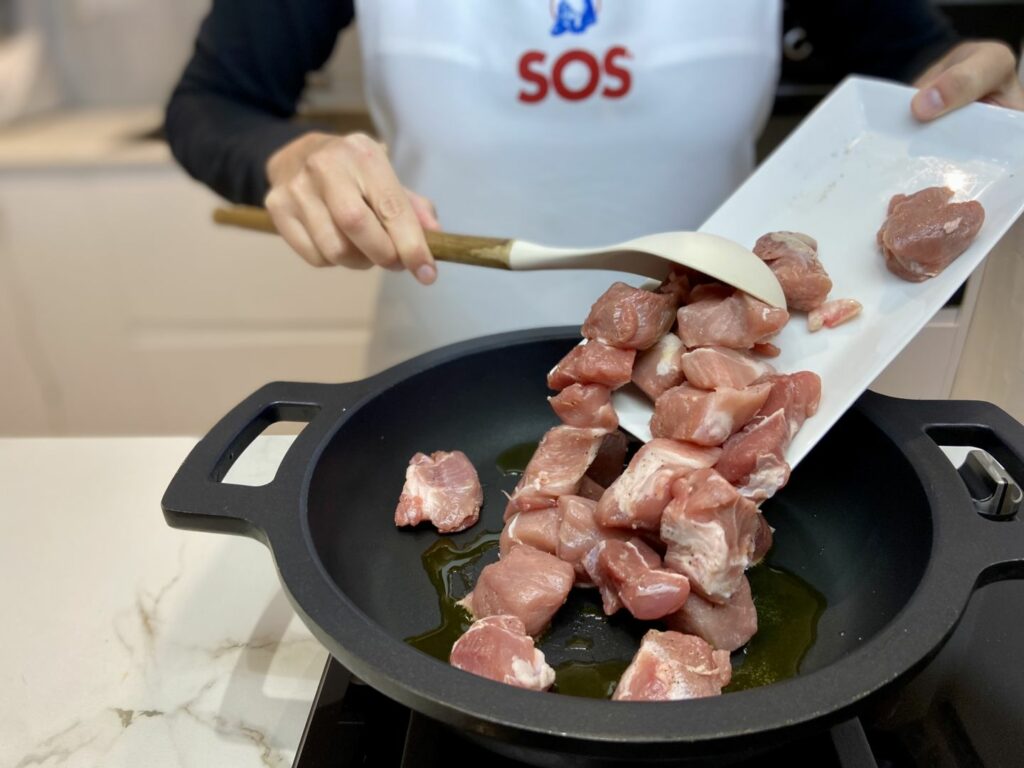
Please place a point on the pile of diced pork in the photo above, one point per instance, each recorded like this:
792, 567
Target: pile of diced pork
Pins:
670, 536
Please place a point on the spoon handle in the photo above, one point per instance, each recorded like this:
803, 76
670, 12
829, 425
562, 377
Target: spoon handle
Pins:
461, 249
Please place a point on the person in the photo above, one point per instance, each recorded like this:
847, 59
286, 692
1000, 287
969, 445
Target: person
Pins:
572, 122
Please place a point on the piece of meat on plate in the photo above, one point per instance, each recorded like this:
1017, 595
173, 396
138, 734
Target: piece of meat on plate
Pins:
558, 464
711, 533
636, 499
754, 459
676, 285
726, 626
766, 350
526, 583
630, 574
714, 367
703, 417
924, 232
442, 488
659, 368
793, 257
763, 539
630, 318
498, 648
610, 459
593, 363
738, 322
833, 313
579, 533
537, 529
798, 394
671, 666
585, 405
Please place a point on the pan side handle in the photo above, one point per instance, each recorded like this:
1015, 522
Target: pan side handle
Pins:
995, 525
196, 499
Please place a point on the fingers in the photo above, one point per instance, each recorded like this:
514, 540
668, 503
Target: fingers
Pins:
338, 201
387, 199
972, 72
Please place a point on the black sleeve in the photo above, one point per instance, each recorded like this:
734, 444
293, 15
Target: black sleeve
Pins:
232, 107
896, 39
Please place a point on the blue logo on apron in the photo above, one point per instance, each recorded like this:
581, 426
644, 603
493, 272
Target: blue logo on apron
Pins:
572, 16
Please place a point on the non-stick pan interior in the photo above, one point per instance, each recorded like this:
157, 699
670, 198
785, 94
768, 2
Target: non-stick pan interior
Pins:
853, 521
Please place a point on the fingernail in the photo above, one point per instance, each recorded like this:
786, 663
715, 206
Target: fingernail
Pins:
930, 103
426, 274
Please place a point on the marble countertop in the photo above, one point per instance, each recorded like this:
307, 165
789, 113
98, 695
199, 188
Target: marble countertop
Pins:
128, 643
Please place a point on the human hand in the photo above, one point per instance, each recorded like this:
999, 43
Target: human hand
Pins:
974, 71
337, 200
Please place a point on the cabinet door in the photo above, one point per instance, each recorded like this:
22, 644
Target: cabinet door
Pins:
144, 317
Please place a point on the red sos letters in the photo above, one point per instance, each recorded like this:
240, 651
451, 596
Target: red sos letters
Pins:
606, 76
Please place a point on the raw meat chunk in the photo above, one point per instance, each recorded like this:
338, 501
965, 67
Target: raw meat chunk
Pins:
537, 529
766, 350
561, 459
442, 488
610, 459
585, 405
526, 583
714, 367
924, 232
676, 285
710, 531
637, 499
754, 459
593, 363
738, 322
833, 313
629, 574
705, 418
630, 318
726, 626
763, 539
579, 533
659, 367
793, 257
498, 648
797, 393
671, 666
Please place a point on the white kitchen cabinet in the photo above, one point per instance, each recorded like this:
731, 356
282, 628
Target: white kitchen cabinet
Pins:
124, 309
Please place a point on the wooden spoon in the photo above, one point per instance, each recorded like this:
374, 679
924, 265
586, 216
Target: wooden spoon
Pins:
650, 256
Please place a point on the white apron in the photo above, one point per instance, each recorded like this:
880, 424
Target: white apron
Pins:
564, 122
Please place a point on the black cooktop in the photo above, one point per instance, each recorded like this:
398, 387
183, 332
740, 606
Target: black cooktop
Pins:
964, 710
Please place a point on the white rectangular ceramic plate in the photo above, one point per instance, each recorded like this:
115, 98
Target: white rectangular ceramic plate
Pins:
832, 178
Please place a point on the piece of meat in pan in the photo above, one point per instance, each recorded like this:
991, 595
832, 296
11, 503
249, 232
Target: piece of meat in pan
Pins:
630, 574
556, 468
924, 232
442, 488
526, 583
711, 533
671, 666
725, 626
498, 648
638, 497
579, 532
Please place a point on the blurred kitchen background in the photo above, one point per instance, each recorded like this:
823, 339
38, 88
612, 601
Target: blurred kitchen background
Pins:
125, 310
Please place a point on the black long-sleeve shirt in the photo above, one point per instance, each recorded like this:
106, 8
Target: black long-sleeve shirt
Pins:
233, 105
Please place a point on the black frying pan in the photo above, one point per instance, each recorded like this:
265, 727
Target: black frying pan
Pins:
876, 518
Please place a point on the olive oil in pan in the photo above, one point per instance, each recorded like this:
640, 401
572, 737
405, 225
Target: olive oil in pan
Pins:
445, 561
591, 679
788, 610
513, 461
